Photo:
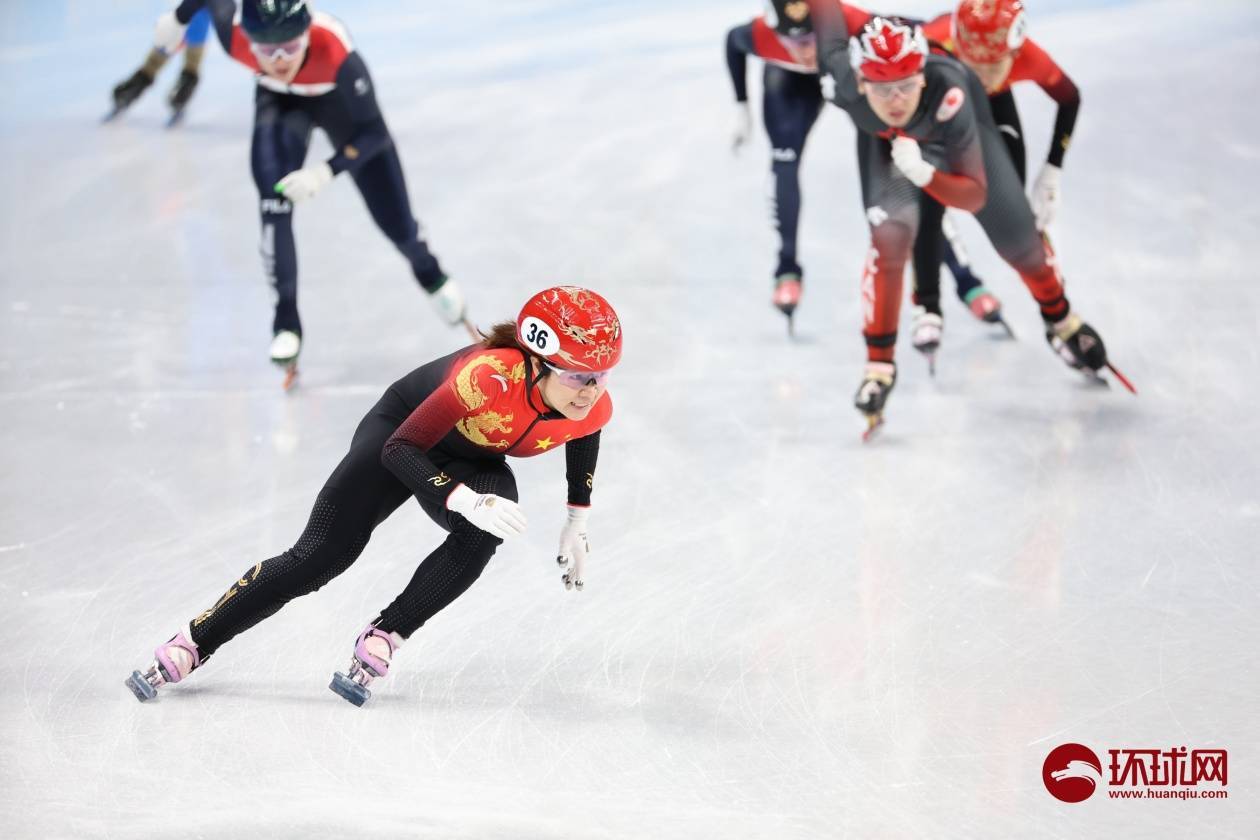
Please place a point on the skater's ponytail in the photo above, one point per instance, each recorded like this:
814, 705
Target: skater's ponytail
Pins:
502, 336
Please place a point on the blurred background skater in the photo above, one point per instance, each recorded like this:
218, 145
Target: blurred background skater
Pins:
129, 90
783, 38
906, 103
310, 76
442, 434
991, 38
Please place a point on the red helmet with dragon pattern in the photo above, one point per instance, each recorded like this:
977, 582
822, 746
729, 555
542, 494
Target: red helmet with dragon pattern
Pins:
571, 328
986, 31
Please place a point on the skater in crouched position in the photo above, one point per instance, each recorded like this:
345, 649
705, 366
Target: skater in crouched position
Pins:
309, 76
991, 38
440, 434
924, 125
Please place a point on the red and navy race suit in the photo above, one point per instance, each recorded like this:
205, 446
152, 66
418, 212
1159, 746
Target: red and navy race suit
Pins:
956, 132
791, 103
332, 91
1031, 64
454, 420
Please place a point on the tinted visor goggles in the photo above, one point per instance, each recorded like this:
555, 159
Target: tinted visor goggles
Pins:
578, 378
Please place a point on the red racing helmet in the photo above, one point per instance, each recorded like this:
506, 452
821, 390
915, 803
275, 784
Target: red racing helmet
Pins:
986, 31
571, 328
888, 49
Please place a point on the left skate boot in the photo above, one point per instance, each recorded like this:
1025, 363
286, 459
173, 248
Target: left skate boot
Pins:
172, 662
372, 655
877, 383
926, 335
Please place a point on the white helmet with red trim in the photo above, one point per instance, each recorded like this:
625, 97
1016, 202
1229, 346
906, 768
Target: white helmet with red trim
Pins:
888, 49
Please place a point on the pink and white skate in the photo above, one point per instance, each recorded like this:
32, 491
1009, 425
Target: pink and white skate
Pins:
787, 296
372, 654
172, 662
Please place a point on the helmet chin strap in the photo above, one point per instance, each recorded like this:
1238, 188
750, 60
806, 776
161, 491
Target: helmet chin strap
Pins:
533, 380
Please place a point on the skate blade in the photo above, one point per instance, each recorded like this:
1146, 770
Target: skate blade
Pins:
175, 119
1124, 380
472, 330
290, 376
1010, 333
874, 422
348, 689
113, 114
140, 687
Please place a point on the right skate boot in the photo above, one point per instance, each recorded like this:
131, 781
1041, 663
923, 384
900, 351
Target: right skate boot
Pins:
372, 655
172, 662
179, 96
448, 300
128, 91
926, 335
872, 394
285, 347
1078, 344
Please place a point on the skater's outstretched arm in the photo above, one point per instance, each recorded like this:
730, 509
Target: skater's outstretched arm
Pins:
580, 457
739, 44
834, 22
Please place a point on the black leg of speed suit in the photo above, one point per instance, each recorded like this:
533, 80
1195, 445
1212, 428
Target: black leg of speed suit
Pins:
384, 190
281, 137
929, 248
359, 495
790, 106
1007, 117
453, 566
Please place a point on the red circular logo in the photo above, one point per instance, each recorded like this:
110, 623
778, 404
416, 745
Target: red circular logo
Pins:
1072, 773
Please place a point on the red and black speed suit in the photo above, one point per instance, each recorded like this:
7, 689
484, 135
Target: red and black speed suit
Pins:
332, 91
1031, 63
956, 132
454, 420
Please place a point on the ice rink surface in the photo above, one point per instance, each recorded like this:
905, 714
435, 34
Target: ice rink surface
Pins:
785, 633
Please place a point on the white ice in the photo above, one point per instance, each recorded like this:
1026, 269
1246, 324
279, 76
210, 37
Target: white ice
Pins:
785, 633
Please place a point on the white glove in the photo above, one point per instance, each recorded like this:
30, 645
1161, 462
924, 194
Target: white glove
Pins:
301, 184
1046, 196
495, 515
574, 546
909, 160
168, 36
743, 126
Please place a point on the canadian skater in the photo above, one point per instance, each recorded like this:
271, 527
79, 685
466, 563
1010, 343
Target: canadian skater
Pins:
441, 434
309, 76
923, 127
783, 38
127, 91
